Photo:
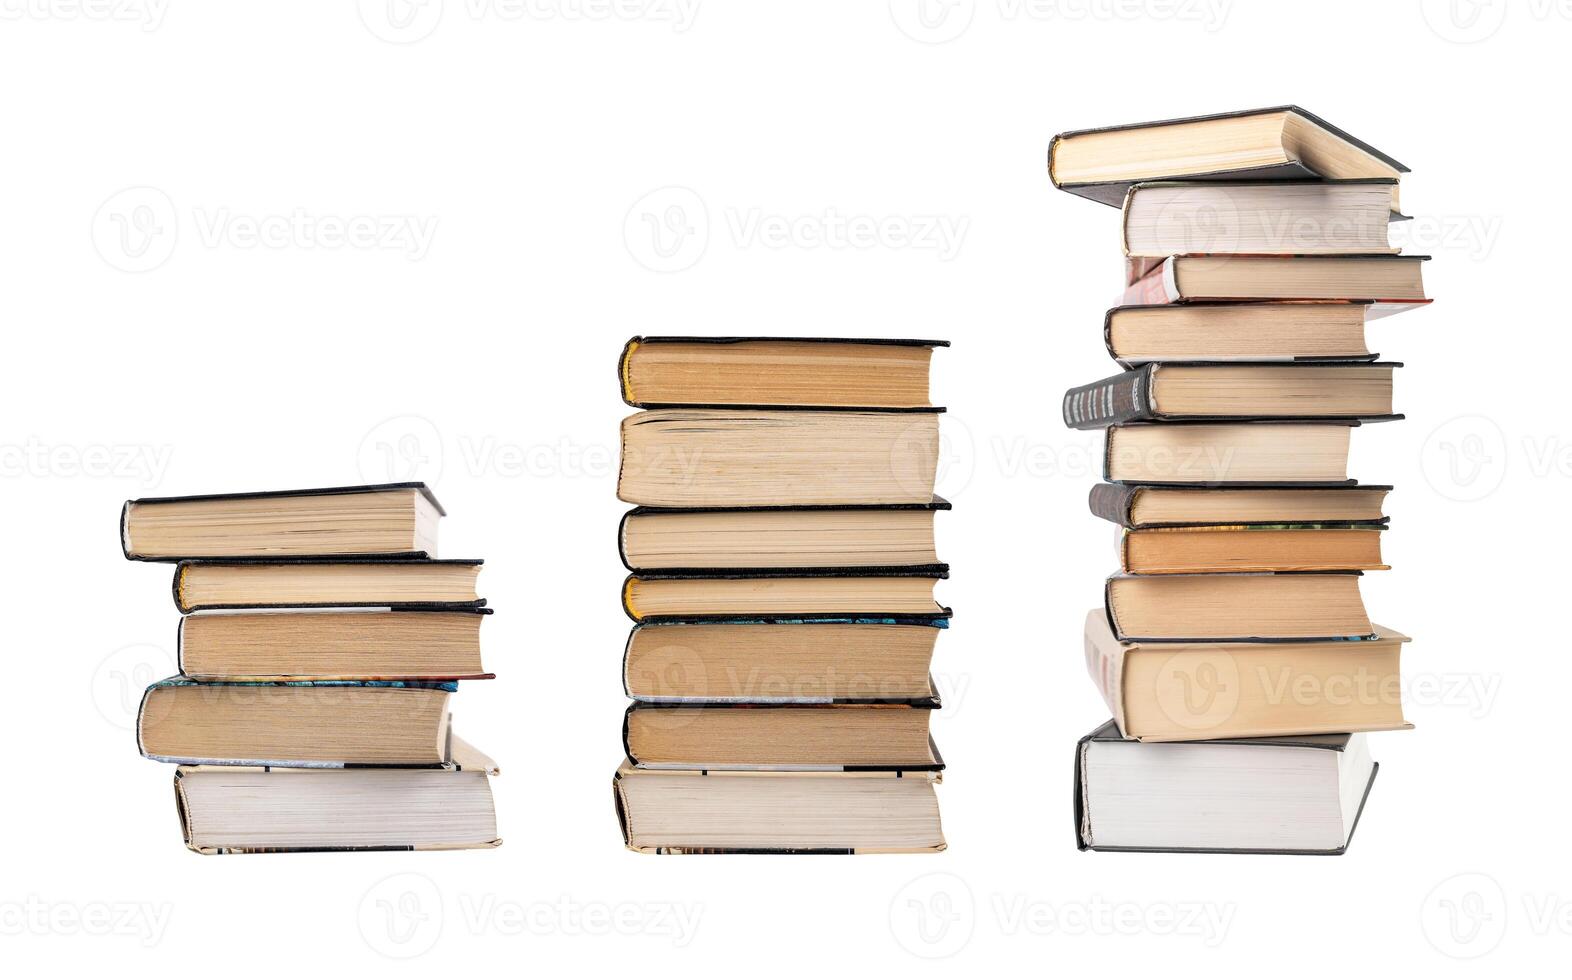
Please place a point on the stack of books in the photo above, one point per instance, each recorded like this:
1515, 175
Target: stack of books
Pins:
319, 644
1234, 649
783, 565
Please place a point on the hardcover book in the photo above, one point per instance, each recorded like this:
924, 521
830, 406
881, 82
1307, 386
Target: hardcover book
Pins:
796, 372
407, 644
809, 662
804, 593
688, 811
1247, 331
759, 458
678, 539
302, 724
266, 583
1237, 391
386, 519
1288, 795
250, 810
756, 736
1205, 690
1136, 506
1276, 143
1387, 283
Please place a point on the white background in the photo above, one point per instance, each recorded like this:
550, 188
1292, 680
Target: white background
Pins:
196, 302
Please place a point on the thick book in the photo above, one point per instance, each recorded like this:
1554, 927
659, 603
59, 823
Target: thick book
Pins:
759, 458
1275, 218
1286, 795
1251, 548
386, 519
689, 811
1276, 143
269, 810
1137, 507
772, 736
1257, 331
1388, 283
904, 593
313, 725
1205, 690
407, 644
1242, 607
798, 372
845, 662
1233, 391
1227, 453
675, 539
268, 583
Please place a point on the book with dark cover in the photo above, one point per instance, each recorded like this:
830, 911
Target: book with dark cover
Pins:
936, 572
1112, 193
1109, 732
1115, 503
294, 561
1127, 397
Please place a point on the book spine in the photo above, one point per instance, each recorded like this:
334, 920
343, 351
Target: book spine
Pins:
1122, 398
1106, 667
1113, 502
624, 378
1154, 287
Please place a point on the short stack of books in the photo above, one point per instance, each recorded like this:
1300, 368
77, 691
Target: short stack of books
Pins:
783, 565
1234, 649
319, 645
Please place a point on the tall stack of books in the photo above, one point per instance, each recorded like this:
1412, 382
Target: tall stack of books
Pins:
319, 644
1234, 649
783, 565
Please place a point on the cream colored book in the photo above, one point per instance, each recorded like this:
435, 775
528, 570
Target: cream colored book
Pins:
379, 519
250, 810
701, 812
1199, 690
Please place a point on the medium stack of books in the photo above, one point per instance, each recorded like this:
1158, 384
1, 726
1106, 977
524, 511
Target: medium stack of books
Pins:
782, 592
1234, 649
319, 645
